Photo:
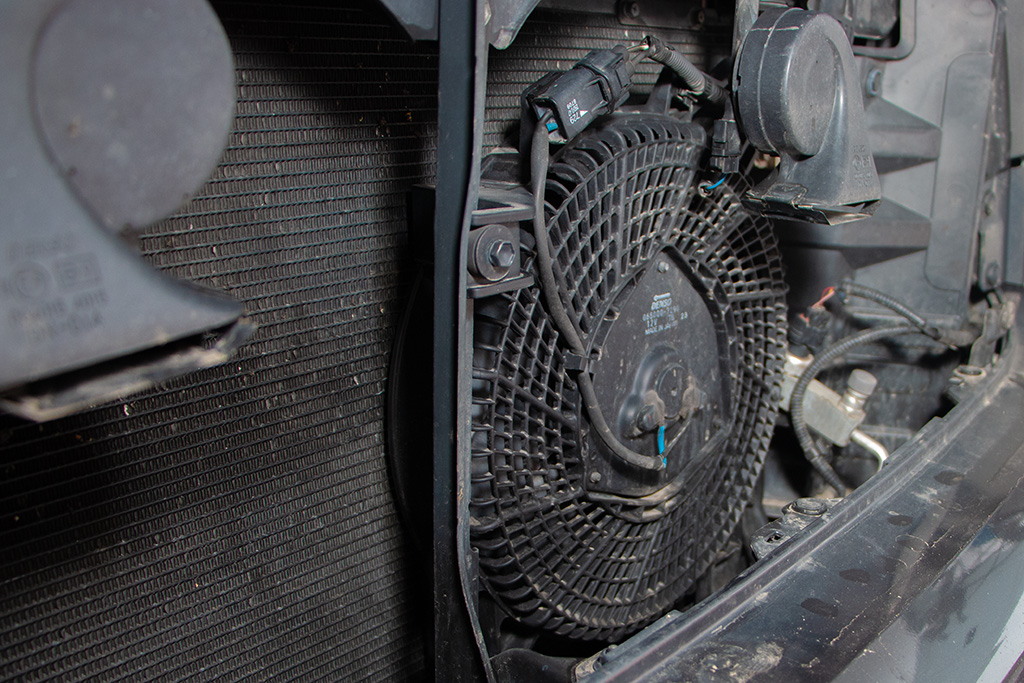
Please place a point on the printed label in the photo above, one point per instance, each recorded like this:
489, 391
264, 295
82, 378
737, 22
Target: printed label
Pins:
52, 293
663, 314
573, 111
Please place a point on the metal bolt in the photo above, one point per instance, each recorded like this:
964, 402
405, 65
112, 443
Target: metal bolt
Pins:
662, 267
595, 477
501, 254
873, 82
647, 419
810, 506
631, 9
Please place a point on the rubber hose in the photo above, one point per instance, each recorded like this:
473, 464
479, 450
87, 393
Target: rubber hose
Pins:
895, 305
796, 401
566, 325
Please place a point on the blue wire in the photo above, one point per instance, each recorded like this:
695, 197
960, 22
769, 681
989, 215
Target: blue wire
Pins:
720, 181
661, 440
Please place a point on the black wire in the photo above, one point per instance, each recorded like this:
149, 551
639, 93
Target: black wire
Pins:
696, 80
848, 287
605, 433
566, 324
796, 401
539, 158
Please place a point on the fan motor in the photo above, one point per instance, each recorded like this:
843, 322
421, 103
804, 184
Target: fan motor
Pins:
679, 297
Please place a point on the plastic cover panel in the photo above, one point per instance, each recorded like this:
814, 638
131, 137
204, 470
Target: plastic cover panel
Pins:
238, 522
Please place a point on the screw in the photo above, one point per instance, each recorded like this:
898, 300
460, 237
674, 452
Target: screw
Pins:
662, 267
631, 9
873, 82
595, 477
501, 254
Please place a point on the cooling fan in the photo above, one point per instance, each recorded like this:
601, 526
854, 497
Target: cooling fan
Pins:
678, 297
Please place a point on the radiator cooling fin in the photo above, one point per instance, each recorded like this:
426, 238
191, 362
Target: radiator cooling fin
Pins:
568, 540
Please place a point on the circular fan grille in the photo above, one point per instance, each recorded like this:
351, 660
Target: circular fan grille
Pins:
553, 556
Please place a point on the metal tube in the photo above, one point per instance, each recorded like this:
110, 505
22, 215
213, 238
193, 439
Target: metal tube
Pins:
870, 445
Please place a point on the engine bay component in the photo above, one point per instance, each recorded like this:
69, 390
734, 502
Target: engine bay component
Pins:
796, 516
697, 82
114, 113
596, 85
798, 96
832, 415
679, 301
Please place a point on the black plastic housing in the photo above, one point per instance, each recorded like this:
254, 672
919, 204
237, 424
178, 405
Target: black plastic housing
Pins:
597, 85
798, 96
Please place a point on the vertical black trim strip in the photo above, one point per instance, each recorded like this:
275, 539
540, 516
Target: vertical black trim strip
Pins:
455, 654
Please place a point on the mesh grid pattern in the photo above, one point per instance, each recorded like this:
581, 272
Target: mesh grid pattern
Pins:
556, 559
613, 213
238, 523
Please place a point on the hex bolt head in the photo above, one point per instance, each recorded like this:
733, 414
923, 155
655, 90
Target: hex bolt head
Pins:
501, 254
595, 477
662, 267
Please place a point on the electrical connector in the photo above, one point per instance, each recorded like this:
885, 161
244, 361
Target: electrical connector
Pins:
572, 99
808, 331
726, 144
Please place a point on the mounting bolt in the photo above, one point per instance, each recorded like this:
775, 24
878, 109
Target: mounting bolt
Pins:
501, 254
631, 9
492, 252
810, 506
595, 477
662, 267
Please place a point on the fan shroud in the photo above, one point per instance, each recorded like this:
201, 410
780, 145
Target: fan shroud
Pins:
554, 553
